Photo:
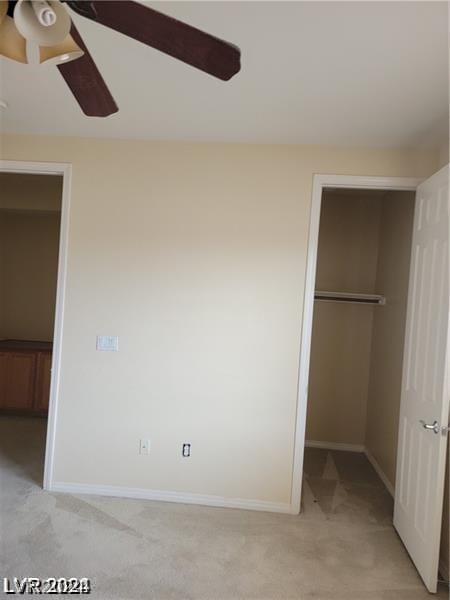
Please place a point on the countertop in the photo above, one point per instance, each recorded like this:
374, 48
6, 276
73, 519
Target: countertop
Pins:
25, 345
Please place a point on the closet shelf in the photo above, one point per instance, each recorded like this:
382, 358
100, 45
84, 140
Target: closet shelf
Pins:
349, 297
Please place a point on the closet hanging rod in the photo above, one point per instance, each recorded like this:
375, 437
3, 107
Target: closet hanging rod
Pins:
374, 299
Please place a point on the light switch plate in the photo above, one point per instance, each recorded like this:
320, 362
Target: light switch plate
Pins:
107, 343
144, 446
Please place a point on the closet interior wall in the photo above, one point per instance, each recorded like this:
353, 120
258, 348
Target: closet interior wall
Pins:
342, 332
388, 330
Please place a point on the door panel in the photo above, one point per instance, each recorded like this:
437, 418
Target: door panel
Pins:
3, 365
43, 375
19, 387
425, 395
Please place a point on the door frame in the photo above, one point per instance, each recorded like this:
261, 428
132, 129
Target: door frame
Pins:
64, 170
320, 182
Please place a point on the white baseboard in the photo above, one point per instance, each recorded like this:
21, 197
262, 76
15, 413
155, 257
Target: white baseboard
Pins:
380, 472
164, 496
205, 500
335, 446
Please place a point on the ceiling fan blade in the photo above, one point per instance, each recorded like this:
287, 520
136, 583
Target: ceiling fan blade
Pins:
186, 43
86, 82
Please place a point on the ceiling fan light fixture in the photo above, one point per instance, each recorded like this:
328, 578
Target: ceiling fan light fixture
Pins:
60, 53
44, 12
3, 10
12, 44
45, 23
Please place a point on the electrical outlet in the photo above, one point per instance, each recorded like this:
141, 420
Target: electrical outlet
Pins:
144, 447
186, 450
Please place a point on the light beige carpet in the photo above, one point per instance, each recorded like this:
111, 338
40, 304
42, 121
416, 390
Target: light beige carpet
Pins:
342, 547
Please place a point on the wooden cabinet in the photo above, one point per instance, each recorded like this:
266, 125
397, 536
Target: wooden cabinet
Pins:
3, 370
24, 376
43, 375
19, 382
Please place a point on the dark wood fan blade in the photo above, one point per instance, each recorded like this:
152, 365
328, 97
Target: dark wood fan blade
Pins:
186, 43
86, 82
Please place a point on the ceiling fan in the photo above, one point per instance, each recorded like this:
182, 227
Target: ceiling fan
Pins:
47, 23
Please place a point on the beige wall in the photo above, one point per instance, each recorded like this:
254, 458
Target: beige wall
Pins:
341, 337
27, 191
194, 255
388, 333
28, 274
444, 155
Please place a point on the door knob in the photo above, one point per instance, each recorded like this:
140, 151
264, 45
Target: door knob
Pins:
433, 427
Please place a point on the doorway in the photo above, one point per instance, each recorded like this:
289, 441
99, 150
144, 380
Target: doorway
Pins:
33, 220
361, 291
363, 261
417, 522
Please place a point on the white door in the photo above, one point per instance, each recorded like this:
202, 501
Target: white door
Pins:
424, 407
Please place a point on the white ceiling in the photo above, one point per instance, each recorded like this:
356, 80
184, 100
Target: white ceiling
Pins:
346, 73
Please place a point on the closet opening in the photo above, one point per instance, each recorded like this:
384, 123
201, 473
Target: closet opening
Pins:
30, 219
372, 420
358, 332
